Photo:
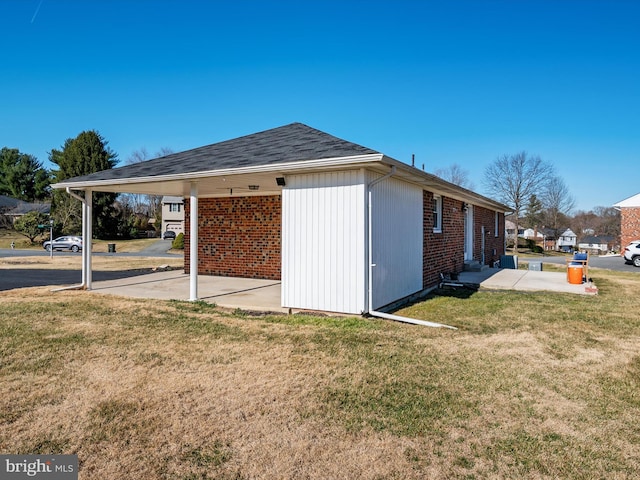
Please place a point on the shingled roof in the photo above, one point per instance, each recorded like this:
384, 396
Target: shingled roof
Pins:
255, 163
295, 142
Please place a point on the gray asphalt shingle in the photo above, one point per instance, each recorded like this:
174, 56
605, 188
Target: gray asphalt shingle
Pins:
295, 142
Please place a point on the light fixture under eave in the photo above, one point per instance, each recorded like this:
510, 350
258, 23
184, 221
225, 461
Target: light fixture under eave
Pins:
280, 181
254, 187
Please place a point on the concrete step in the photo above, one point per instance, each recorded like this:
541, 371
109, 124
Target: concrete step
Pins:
474, 266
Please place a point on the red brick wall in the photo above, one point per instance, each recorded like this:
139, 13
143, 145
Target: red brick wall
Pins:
442, 252
629, 225
238, 237
493, 246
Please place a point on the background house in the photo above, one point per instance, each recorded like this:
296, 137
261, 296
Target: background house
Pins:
510, 229
344, 228
12, 208
173, 214
629, 219
567, 241
596, 244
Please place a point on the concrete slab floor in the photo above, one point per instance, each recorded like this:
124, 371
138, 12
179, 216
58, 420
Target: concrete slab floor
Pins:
526, 280
265, 295
227, 292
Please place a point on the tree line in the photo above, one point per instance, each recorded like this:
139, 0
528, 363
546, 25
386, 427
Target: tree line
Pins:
537, 196
528, 185
23, 177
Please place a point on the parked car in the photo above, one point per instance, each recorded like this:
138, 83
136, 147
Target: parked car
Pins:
632, 253
64, 243
169, 234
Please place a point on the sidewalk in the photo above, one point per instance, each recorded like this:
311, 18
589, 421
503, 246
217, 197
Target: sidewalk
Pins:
525, 280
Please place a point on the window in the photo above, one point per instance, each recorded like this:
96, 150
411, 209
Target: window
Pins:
437, 213
497, 225
174, 207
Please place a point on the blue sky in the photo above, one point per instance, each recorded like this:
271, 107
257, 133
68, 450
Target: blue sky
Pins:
449, 81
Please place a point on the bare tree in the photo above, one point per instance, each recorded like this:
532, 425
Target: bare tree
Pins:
599, 221
455, 174
149, 205
512, 179
557, 201
609, 221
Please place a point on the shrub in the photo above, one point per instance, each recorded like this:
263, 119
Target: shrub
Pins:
178, 243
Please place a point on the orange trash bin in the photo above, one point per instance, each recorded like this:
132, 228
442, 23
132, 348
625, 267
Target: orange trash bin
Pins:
574, 273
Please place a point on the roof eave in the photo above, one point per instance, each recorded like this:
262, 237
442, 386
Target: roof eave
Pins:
283, 168
442, 187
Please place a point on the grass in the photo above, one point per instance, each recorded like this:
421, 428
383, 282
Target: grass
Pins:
532, 385
99, 263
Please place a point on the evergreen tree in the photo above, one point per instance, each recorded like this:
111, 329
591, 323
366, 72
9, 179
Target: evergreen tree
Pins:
85, 154
533, 215
22, 176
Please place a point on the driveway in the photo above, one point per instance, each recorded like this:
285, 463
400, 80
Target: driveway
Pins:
35, 277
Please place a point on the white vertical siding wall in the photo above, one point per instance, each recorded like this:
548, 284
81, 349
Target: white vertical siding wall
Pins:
323, 242
397, 239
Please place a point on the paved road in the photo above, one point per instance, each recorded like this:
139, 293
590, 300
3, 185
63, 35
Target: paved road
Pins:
610, 262
158, 248
35, 277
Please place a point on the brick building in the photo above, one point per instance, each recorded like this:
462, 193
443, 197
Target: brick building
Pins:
344, 228
629, 219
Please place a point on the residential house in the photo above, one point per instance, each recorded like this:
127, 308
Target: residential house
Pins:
543, 237
629, 219
343, 227
532, 234
510, 229
596, 245
12, 208
548, 238
567, 241
173, 214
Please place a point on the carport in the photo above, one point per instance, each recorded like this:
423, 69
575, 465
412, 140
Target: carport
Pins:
256, 165
345, 228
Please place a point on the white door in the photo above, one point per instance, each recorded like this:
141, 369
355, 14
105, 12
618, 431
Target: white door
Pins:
468, 233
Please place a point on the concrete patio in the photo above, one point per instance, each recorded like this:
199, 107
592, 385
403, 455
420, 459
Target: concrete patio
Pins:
264, 295
526, 280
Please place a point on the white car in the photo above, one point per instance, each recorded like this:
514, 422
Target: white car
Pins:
632, 253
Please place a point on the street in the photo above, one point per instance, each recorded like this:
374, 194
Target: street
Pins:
156, 249
610, 262
35, 277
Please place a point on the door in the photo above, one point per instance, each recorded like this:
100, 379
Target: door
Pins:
468, 233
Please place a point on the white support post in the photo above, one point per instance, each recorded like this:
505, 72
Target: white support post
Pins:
84, 239
193, 244
87, 239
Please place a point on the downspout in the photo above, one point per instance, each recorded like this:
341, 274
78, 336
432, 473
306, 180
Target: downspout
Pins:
482, 245
85, 251
372, 312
